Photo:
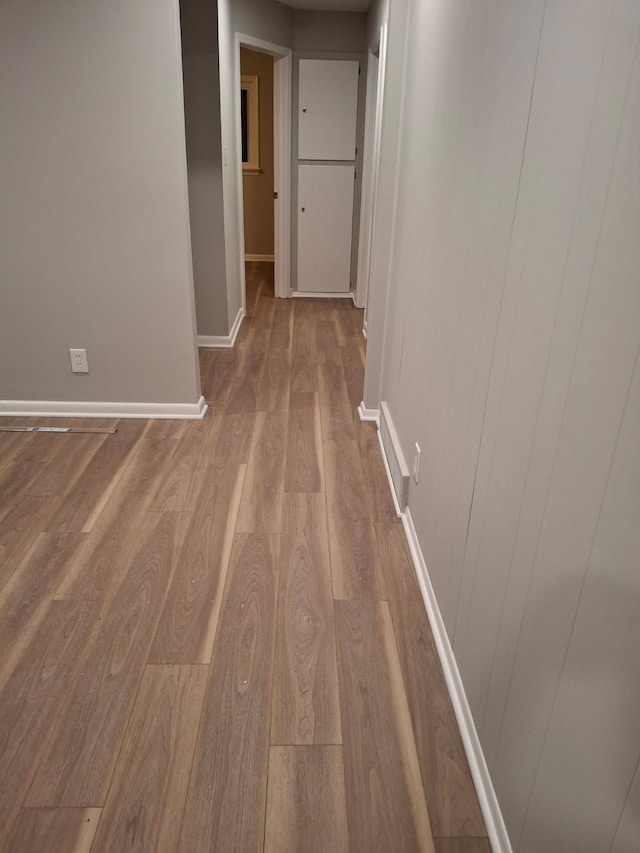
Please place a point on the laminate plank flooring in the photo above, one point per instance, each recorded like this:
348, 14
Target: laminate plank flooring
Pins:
304, 470
447, 781
355, 563
212, 633
306, 801
226, 800
144, 808
462, 845
62, 830
261, 505
386, 807
306, 704
76, 768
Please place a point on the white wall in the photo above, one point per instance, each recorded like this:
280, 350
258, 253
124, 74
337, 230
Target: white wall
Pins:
511, 357
199, 27
272, 22
94, 230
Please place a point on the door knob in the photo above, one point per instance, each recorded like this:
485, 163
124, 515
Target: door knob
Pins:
304, 109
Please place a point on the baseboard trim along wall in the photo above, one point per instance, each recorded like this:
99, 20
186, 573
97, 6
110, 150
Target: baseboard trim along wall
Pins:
223, 341
396, 465
487, 798
368, 414
489, 805
66, 409
268, 258
303, 294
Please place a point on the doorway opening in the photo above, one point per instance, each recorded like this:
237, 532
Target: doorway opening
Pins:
263, 84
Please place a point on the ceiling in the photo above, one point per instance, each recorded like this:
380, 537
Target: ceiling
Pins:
329, 5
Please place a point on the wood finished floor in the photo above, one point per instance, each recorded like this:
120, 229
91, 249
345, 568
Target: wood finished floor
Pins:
212, 637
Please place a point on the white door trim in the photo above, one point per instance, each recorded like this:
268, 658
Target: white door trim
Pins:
282, 70
371, 168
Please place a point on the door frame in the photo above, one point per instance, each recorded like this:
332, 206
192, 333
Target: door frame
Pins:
282, 74
371, 167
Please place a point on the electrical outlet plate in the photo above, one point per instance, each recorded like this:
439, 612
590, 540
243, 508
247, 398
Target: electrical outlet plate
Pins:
79, 363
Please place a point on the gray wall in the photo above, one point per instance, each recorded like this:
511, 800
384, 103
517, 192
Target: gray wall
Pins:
511, 357
340, 32
94, 230
199, 26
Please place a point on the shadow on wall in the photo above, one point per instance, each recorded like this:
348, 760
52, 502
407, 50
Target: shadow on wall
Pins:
593, 728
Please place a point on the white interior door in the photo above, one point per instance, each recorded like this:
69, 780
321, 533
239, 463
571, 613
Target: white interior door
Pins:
327, 109
325, 219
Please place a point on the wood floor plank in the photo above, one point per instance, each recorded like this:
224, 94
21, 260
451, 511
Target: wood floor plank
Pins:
243, 395
462, 845
331, 384
218, 370
234, 437
386, 808
115, 534
354, 382
59, 475
163, 428
339, 423
28, 593
375, 476
306, 704
261, 504
355, 567
11, 443
304, 375
349, 321
146, 799
99, 478
62, 830
304, 470
35, 455
281, 327
181, 484
77, 765
453, 804
187, 625
325, 341
226, 801
28, 516
351, 354
34, 696
272, 393
337, 412
306, 800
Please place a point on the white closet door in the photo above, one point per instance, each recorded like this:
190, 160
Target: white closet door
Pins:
325, 218
327, 109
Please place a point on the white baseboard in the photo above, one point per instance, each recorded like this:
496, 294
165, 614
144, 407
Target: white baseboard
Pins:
397, 469
364, 329
223, 341
489, 805
368, 414
303, 294
266, 258
65, 409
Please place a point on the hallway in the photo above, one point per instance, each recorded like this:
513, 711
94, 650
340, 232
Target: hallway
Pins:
212, 635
